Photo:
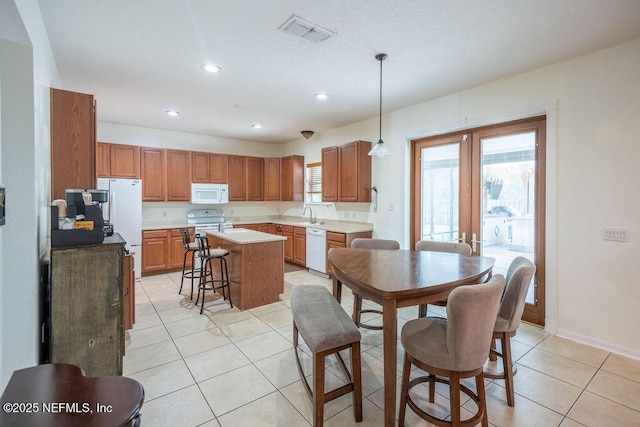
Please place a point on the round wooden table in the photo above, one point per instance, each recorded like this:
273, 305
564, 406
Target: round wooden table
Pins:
401, 278
58, 394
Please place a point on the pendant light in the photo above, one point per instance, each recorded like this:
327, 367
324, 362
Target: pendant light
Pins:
380, 149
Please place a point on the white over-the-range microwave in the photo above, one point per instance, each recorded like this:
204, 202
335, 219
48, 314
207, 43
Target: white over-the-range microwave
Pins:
209, 194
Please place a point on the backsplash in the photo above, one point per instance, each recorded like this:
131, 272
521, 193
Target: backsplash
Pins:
175, 212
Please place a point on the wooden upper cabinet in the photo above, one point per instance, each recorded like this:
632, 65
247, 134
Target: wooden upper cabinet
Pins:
292, 179
200, 167
117, 160
178, 176
73, 143
153, 174
330, 157
255, 178
354, 172
237, 178
209, 168
219, 168
103, 160
272, 178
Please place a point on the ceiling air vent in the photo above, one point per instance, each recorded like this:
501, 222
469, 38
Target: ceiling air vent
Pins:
298, 27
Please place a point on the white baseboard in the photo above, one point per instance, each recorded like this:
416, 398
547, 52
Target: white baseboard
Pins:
603, 345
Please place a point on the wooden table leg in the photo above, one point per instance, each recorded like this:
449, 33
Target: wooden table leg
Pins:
337, 289
390, 345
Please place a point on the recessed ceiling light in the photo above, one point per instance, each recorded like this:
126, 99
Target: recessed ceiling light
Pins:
256, 126
322, 96
173, 112
211, 68
239, 106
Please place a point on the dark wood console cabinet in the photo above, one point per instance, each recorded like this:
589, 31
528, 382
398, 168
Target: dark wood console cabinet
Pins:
86, 313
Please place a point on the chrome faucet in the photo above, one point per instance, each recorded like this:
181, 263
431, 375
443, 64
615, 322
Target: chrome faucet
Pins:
311, 221
226, 224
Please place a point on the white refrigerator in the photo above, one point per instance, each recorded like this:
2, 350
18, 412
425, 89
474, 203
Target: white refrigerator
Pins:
124, 211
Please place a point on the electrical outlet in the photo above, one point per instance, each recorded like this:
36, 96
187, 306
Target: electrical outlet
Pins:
391, 207
616, 234
164, 214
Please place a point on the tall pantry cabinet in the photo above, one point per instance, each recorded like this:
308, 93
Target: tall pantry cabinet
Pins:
73, 141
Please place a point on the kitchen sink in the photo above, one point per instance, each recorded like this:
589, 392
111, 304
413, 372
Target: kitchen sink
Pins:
306, 224
235, 230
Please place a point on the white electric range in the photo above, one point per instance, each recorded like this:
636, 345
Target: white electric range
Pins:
206, 219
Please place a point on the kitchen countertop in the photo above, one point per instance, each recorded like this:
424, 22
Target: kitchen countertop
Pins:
158, 225
243, 236
335, 226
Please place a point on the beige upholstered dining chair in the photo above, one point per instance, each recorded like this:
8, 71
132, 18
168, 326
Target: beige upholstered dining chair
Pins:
435, 246
357, 299
452, 247
451, 349
519, 276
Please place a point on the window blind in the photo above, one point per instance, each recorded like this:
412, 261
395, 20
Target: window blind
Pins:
314, 182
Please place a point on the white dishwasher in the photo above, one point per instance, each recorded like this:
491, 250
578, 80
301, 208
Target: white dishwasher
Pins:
317, 250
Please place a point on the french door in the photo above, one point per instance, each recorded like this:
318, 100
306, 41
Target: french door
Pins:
485, 187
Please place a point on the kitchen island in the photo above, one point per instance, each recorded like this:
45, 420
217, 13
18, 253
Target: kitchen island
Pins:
256, 265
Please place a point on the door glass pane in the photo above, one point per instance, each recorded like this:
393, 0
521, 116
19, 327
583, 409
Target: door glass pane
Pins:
508, 201
440, 192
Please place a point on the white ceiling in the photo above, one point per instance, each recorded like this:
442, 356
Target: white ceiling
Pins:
143, 57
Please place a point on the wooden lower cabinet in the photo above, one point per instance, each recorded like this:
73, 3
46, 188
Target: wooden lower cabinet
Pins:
256, 271
162, 250
343, 240
287, 231
155, 253
86, 310
300, 246
176, 248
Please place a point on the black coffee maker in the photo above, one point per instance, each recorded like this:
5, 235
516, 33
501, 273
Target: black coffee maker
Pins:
99, 198
77, 208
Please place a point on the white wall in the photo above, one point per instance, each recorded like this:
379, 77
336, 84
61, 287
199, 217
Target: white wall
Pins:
122, 134
19, 241
26, 74
591, 136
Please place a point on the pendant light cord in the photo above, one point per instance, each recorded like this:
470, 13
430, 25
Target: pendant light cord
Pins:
380, 124
380, 57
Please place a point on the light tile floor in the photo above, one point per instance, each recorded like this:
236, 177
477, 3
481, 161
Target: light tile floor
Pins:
236, 368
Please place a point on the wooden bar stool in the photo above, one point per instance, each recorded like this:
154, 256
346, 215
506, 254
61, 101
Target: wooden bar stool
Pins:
190, 249
437, 246
451, 349
363, 243
208, 254
519, 276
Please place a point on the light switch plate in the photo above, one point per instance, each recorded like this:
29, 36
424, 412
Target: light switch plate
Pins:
616, 234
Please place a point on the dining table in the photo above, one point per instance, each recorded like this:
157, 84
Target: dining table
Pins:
402, 278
